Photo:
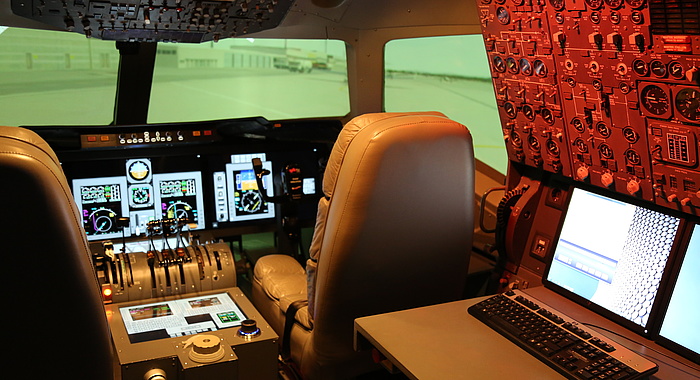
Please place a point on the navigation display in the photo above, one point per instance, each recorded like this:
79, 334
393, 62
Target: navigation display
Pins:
188, 316
613, 255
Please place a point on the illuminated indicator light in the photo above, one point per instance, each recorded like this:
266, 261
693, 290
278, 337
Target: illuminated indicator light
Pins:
107, 292
678, 48
104, 138
676, 39
207, 133
92, 138
277, 125
196, 133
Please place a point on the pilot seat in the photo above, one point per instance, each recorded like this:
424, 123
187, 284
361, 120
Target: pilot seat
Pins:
393, 232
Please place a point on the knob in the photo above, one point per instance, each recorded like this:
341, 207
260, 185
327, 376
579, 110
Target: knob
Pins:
632, 187
582, 173
249, 328
154, 374
607, 179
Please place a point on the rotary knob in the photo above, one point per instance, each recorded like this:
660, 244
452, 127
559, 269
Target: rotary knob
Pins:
249, 329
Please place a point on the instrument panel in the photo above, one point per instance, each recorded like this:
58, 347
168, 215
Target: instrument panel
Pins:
605, 92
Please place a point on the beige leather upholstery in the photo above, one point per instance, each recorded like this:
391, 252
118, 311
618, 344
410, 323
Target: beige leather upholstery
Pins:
394, 232
54, 322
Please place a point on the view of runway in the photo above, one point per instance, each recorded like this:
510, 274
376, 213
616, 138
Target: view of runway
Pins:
87, 97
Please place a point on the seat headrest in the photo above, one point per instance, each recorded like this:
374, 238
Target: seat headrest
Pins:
351, 130
27, 136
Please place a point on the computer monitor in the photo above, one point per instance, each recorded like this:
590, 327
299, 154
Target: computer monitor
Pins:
679, 328
611, 256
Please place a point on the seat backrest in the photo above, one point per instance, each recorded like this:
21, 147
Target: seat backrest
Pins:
395, 229
55, 324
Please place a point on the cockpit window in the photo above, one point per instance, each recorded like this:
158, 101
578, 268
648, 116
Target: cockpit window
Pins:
451, 75
277, 79
56, 78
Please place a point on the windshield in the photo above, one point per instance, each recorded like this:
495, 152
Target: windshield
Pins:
448, 74
274, 78
56, 78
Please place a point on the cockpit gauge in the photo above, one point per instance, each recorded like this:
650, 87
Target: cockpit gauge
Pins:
528, 112
658, 68
540, 68
533, 142
614, 4
557, 4
511, 109
637, 17
581, 145
676, 70
594, 4
180, 210
688, 103
655, 100
630, 135
578, 125
553, 148
516, 140
518, 2
502, 15
525, 66
512, 65
636, 3
606, 151
139, 170
251, 201
101, 221
633, 157
141, 195
547, 116
595, 17
499, 65
640, 67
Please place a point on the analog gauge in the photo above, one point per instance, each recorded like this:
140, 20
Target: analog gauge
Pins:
559, 18
688, 103
547, 116
251, 201
101, 220
676, 70
512, 65
594, 4
603, 129
625, 87
595, 17
540, 68
557, 4
640, 67
518, 2
658, 68
605, 151
139, 170
636, 3
633, 157
581, 145
533, 142
637, 17
510, 109
502, 15
499, 65
615, 17
525, 66
553, 148
614, 4
578, 125
516, 140
630, 135
528, 112
140, 195
655, 100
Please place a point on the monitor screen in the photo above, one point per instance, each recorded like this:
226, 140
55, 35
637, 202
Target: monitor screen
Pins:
140, 191
611, 256
181, 317
680, 324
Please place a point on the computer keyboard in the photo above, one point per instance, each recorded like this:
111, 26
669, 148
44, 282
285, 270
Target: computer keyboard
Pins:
559, 341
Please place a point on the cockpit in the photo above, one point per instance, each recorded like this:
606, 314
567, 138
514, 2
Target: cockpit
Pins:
348, 189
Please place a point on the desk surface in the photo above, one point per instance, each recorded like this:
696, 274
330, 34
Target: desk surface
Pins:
445, 342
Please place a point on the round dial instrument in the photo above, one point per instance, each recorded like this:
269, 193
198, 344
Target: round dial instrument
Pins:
502, 15
595, 4
525, 66
655, 100
658, 68
540, 68
640, 67
180, 210
499, 65
528, 112
512, 65
676, 70
688, 103
251, 201
101, 220
557, 4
